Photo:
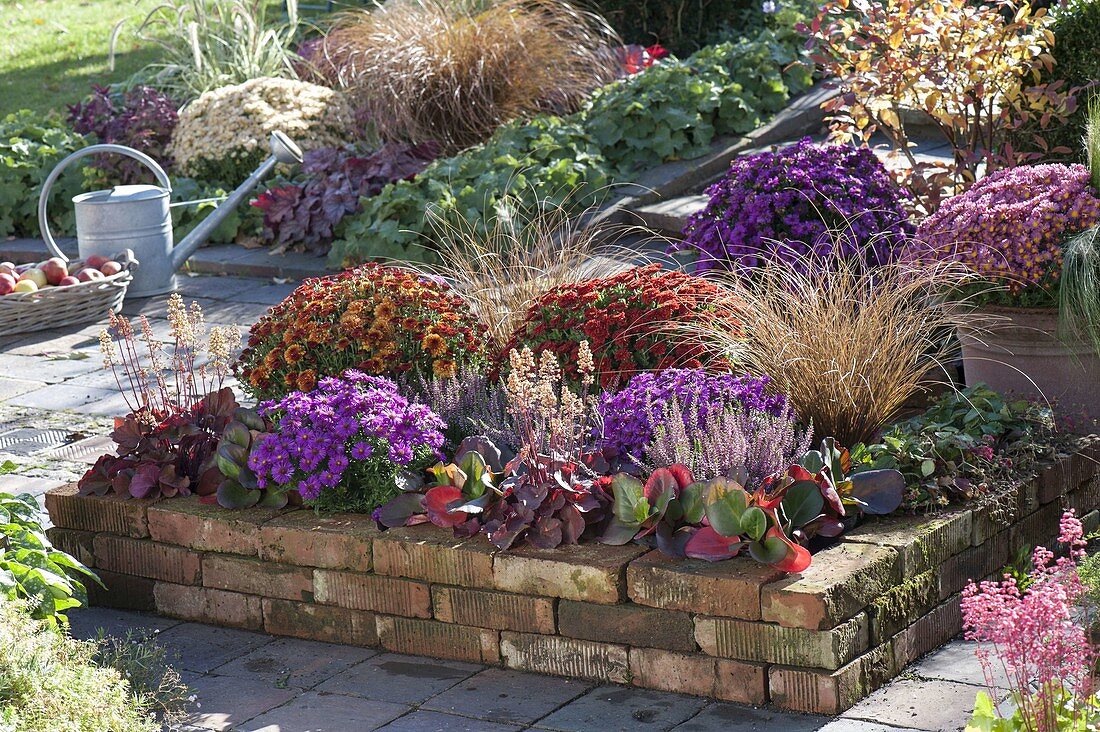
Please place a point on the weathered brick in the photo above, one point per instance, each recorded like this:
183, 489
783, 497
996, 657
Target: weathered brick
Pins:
1090, 522
147, 559
768, 643
320, 622
110, 513
491, 609
256, 577
995, 513
206, 605
842, 580
440, 640
336, 541
590, 572
942, 624
371, 592
122, 591
1038, 527
432, 554
901, 605
825, 692
207, 527
682, 673
976, 563
727, 589
550, 654
629, 624
922, 542
75, 543
1086, 498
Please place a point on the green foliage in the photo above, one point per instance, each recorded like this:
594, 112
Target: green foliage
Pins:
671, 111
368, 484
959, 447
1070, 717
244, 222
50, 682
675, 109
543, 163
31, 569
29, 149
143, 662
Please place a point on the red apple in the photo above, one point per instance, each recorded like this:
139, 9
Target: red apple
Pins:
55, 269
35, 275
8, 268
96, 261
88, 274
7, 283
66, 281
110, 268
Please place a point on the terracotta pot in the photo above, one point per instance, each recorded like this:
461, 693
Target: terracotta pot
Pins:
1019, 352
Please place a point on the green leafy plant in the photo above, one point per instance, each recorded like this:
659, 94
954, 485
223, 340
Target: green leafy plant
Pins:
1070, 715
960, 447
144, 663
208, 44
30, 148
46, 579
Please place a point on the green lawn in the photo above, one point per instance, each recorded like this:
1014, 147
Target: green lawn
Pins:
51, 51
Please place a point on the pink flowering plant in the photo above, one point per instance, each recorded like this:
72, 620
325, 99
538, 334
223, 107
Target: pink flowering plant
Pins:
1012, 225
1037, 641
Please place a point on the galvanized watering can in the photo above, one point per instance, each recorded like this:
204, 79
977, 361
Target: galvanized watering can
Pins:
137, 217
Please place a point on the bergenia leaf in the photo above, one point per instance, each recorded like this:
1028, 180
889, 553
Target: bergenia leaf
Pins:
628, 491
802, 503
399, 510
726, 501
709, 545
438, 503
879, 492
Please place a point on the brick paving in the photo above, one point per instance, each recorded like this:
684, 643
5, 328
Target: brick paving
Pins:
56, 410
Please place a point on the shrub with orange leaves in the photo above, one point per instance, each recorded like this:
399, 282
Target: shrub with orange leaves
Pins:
635, 321
974, 69
383, 321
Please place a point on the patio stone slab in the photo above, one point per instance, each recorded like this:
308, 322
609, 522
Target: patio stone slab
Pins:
74, 398
224, 706
736, 718
932, 704
503, 696
612, 708
14, 387
400, 679
856, 725
86, 622
46, 369
293, 662
319, 712
957, 662
205, 647
422, 721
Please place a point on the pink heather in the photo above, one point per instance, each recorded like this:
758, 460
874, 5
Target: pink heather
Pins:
1034, 638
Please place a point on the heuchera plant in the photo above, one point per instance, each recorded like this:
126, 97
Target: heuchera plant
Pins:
719, 518
308, 215
625, 319
142, 118
178, 406
832, 200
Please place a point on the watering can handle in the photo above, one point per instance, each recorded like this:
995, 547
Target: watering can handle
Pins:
43, 198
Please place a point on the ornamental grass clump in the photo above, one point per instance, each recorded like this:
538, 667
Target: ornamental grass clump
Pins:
847, 345
1010, 227
453, 72
1037, 641
831, 200
375, 319
629, 320
344, 444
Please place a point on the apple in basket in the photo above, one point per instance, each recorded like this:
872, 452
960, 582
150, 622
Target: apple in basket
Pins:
7, 283
8, 268
110, 268
54, 269
26, 286
96, 261
88, 274
68, 280
35, 275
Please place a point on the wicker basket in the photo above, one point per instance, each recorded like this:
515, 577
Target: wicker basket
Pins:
54, 307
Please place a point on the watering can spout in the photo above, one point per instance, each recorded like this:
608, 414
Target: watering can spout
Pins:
283, 150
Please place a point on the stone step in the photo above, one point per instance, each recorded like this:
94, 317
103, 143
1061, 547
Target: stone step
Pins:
671, 216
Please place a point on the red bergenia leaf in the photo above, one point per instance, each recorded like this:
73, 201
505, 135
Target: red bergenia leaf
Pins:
709, 545
436, 502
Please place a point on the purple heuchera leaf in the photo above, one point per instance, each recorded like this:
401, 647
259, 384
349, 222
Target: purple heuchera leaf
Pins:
142, 118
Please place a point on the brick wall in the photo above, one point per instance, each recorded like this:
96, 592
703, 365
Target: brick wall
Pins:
819, 641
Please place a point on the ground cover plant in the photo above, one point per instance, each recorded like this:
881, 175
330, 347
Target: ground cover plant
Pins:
833, 200
386, 321
452, 73
29, 150
973, 70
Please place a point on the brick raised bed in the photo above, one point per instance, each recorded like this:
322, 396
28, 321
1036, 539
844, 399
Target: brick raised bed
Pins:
886, 594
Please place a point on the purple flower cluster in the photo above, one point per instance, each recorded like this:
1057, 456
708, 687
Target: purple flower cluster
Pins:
631, 417
805, 199
142, 118
1010, 225
345, 421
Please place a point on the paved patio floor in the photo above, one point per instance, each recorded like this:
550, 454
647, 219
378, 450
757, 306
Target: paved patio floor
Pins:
56, 406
